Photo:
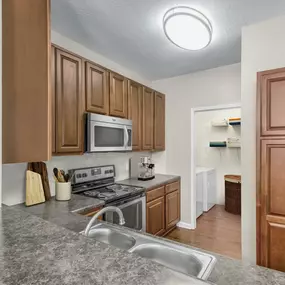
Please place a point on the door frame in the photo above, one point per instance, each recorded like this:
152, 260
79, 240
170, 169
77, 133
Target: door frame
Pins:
193, 155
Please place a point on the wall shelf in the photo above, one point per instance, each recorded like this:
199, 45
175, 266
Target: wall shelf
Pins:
218, 144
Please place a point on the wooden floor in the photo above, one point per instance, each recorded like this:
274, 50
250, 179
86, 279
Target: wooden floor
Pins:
217, 231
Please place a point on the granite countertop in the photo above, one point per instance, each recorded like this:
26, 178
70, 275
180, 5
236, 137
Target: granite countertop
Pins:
226, 271
65, 213
35, 251
160, 179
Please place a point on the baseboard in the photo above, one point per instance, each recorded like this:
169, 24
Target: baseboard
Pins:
185, 226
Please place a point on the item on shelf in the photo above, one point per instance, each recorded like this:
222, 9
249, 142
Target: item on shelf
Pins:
146, 169
235, 121
220, 123
233, 143
233, 194
218, 144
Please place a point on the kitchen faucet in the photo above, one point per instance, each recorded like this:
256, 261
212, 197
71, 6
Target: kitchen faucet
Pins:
103, 211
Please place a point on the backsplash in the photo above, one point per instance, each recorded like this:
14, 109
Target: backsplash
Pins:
13, 186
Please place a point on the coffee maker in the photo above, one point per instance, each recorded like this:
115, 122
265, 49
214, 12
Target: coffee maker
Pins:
146, 169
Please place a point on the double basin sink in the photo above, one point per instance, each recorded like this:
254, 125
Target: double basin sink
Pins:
178, 258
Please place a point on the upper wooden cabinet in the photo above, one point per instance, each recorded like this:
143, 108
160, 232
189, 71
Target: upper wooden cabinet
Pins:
96, 88
26, 97
272, 102
68, 103
159, 121
118, 95
147, 119
135, 112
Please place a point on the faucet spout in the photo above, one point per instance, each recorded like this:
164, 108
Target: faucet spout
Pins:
103, 211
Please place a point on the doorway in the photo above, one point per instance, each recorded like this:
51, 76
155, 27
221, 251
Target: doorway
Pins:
215, 177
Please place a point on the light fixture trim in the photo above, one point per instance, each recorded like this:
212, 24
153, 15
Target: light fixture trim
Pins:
192, 13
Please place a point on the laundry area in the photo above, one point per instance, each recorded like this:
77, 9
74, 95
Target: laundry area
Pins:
217, 160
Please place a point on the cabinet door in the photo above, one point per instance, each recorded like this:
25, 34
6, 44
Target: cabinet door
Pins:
135, 112
118, 95
147, 109
272, 101
172, 213
26, 97
96, 88
155, 216
69, 98
271, 203
159, 121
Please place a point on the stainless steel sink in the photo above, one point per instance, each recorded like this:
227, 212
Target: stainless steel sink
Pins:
173, 256
112, 237
174, 259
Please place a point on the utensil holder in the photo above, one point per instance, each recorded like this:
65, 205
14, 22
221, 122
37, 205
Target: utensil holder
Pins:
63, 191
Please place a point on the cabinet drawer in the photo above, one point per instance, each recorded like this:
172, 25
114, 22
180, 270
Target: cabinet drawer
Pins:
172, 187
154, 194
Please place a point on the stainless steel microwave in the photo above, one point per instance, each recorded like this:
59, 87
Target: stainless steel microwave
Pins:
107, 134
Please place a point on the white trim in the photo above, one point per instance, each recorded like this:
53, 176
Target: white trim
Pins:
193, 158
185, 226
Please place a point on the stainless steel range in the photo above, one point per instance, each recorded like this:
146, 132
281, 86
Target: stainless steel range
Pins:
99, 182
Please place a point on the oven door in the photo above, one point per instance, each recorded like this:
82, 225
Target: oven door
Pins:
107, 137
134, 213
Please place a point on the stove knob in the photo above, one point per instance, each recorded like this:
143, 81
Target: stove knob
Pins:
78, 175
84, 175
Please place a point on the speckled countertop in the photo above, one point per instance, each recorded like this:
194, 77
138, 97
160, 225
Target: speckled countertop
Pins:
34, 251
160, 179
226, 271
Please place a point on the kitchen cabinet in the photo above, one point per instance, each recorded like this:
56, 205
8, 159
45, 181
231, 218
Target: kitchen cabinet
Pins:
159, 121
270, 211
155, 216
147, 119
135, 112
68, 103
96, 89
163, 208
272, 99
172, 208
26, 96
118, 95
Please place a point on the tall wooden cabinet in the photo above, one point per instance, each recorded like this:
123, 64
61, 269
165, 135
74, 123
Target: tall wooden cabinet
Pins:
26, 96
147, 119
96, 89
270, 169
135, 111
68, 103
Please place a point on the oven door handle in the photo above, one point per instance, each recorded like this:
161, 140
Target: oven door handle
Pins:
131, 202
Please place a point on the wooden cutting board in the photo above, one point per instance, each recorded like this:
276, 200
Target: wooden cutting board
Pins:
41, 168
34, 188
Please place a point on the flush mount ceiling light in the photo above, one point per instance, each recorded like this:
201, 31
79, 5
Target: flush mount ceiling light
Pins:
187, 28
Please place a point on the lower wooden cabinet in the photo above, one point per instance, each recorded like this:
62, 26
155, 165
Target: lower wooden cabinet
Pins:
163, 209
172, 209
155, 216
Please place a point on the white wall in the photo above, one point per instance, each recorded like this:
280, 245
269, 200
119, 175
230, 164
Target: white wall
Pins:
207, 88
263, 48
14, 174
224, 160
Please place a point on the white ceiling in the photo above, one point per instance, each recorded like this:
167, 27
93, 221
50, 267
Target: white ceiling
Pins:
130, 32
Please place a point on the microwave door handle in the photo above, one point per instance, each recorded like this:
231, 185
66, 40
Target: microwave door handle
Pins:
126, 136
